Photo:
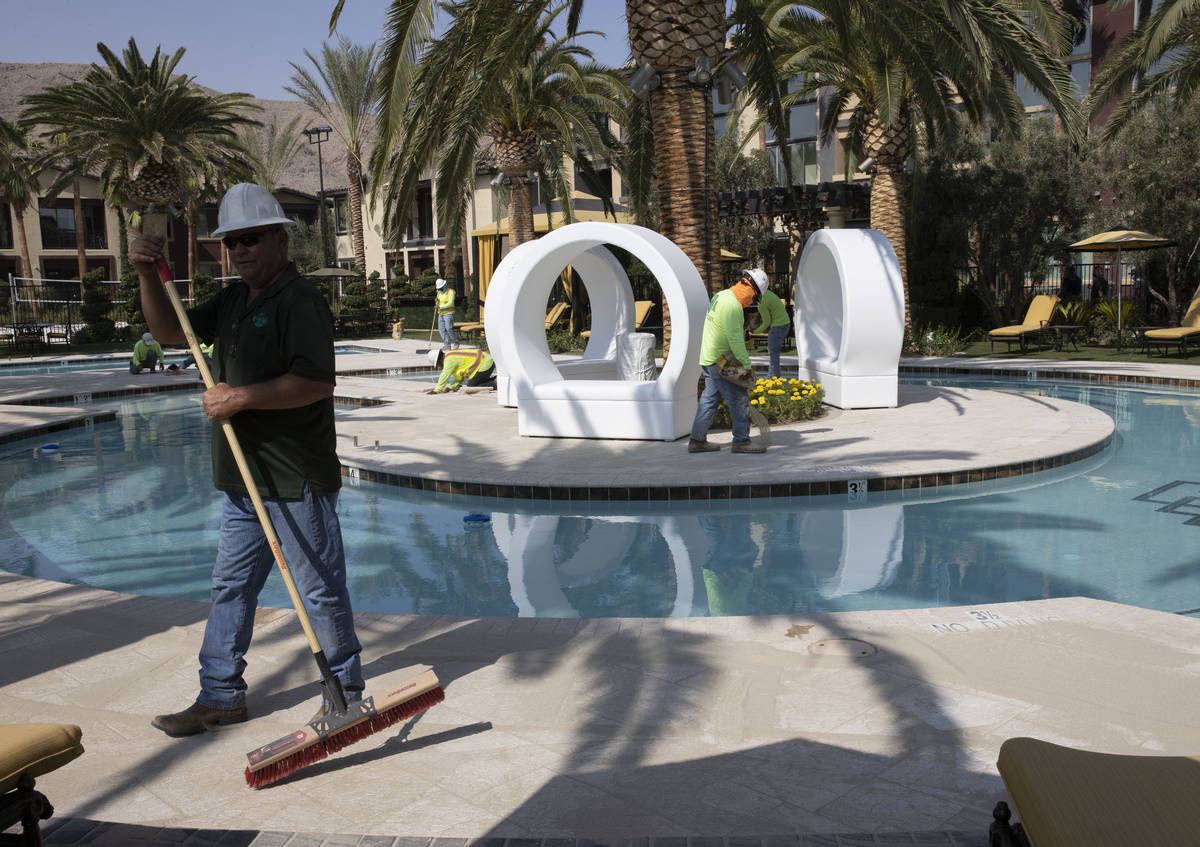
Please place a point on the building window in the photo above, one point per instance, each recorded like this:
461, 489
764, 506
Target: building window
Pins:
340, 210
205, 222
58, 225
6, 227
587, 186
420, 217
69, 268
803, 126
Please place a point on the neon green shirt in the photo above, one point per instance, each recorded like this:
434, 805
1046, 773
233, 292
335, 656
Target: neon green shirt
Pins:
461, 365
772, 310
723, 330
142, 348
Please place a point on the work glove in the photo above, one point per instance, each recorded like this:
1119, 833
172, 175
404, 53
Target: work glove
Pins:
430, 391
743, 377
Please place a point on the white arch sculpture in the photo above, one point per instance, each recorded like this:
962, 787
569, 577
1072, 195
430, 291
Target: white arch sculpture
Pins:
592, 405
850, 317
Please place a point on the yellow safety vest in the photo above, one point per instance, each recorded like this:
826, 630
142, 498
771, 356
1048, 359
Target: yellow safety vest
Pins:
445, 301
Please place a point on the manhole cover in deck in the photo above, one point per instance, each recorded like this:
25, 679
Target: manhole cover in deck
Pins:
846, 648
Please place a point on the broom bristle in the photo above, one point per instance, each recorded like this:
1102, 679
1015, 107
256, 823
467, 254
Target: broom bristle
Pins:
343, 738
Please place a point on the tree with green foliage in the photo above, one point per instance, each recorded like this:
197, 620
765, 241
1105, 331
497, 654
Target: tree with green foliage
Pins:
343, 93
141, 126
98, 326
1158, 61
19, 184
1006, 213
750, 236
907, 75
538, 98
1150, 165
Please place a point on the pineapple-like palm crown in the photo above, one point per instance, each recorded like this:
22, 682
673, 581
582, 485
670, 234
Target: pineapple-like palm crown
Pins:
143, 128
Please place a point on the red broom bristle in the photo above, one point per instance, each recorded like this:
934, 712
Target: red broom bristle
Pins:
343, 738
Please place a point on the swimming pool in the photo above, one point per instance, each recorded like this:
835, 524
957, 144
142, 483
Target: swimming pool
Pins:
128, 506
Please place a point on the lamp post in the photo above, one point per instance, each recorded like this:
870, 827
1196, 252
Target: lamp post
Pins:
317, 135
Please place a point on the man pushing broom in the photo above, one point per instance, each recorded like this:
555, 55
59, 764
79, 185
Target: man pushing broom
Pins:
274, 372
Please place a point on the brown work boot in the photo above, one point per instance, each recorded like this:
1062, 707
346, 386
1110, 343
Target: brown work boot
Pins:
695, 446
749, 447
196, 718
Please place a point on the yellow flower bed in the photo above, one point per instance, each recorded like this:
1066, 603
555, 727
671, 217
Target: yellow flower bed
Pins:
781, 400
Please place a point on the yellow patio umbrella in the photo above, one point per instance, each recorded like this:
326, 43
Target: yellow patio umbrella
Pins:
1117, 241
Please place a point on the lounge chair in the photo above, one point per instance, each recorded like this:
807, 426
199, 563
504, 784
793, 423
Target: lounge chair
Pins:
553, 316
29, 750
1189, 327
1065, 796
641, 311
1037, 318
470, 327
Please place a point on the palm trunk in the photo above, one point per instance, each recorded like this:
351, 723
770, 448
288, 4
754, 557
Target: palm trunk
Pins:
27, 268
520, 213
189, 220
354, 175
889, 146
670, 35
80, 241
887, 216
683, 154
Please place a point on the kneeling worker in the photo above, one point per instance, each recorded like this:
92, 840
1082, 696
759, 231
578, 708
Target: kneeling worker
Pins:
723, 339
472, 367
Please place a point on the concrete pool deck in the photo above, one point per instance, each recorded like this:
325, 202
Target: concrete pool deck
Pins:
854, 728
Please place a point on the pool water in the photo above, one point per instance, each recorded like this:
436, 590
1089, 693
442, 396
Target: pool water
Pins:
129, 506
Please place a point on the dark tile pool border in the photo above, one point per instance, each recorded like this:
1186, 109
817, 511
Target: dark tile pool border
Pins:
693, 493
58, 426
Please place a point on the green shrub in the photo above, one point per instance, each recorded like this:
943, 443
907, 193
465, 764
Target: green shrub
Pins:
98, 326
563, 341
935, 340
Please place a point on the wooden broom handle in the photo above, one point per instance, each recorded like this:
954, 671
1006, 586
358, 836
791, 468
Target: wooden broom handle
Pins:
235, 447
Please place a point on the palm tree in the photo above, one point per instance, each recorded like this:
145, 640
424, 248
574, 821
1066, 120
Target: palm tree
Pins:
142, 128
671, 36
908, 72
345, 97
19, 184
1160, 57
270, 150
492, 81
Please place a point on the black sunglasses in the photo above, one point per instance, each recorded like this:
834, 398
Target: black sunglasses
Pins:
248, 240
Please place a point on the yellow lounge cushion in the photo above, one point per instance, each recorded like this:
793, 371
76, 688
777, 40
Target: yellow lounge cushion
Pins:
1073, 797
35, 749
1014, 331
1172, 333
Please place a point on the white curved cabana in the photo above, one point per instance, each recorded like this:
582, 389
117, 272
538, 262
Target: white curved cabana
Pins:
583, 398
849, 317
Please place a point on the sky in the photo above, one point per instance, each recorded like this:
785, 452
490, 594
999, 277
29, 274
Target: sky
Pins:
231, 46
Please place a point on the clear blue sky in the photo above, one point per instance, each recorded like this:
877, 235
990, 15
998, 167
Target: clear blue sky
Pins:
231, 46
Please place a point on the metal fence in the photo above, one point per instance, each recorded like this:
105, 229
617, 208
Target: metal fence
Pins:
50, 310
1051, 281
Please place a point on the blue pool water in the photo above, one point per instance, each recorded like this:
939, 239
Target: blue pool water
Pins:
129, 506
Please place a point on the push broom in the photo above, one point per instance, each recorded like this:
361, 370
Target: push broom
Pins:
343, 723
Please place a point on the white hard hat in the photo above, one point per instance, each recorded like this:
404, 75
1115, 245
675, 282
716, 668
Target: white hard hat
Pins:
758, 276
441, 283
433, 357
147, 337
249, 206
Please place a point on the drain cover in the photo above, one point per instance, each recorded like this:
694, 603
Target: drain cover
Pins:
847, 648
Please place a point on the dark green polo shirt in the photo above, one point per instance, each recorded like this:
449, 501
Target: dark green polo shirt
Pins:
287, 329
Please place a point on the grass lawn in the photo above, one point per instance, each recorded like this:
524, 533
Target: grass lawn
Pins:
1086, 353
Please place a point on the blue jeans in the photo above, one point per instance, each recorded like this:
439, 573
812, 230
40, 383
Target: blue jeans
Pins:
716, 389
311, 537
446, 328
775, 339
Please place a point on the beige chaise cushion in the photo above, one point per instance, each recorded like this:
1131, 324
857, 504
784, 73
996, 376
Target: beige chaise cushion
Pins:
1074, 797
35, 749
